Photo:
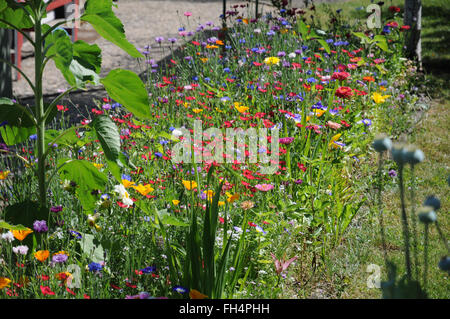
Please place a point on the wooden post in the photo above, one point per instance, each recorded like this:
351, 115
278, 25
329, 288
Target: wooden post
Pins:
5, 69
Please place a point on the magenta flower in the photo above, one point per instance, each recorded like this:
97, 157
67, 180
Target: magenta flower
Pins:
188, 14
264, 187
286, 140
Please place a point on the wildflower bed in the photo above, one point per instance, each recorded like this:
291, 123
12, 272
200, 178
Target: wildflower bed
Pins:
145, 227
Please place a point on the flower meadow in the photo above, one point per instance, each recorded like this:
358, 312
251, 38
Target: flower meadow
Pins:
121, 219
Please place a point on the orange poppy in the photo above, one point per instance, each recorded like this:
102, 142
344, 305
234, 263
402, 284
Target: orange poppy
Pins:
42, 255
21, 234
195, 294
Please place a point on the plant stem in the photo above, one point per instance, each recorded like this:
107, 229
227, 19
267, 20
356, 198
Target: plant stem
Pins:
414, 223
405, 224
39, 106
380, 208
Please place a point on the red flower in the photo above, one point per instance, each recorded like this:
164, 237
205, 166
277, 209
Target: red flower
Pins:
47, 291
405, 27
394, 9
62, 108
302, 167
340, 75
70, 291
344, 92
85, 296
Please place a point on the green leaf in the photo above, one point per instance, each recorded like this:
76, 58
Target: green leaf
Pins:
325, 45
16, 17
5, 225
109, 137
167, 219
100, 15
383, 46
13, 135
83, 172
59, 46
91, 248
14, 114
87, 177
88, 55
302, 29
127, 88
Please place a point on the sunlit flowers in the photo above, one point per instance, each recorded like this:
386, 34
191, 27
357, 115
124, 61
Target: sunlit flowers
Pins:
123, 195
42, 255
378, 98
334, 143
126, 181
189, 185
272, 60
264, 187
4, 174
144, 189
175, 202
21, 234
240, 108
232, 197
344, 92
4, 282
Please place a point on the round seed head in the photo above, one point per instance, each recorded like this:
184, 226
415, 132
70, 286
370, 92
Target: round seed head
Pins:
382, 143
427, 215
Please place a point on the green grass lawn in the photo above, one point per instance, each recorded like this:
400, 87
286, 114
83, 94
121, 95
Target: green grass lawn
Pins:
348, 270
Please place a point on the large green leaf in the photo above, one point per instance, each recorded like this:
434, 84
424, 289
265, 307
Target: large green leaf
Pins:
13, 135
14, 114
59, 46
109, 137
100, 15
83, 172
88, 55
127, 88
92, 248
87, 177
168, 219
14, 16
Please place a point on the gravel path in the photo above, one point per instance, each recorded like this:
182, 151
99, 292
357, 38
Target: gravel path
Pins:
143, 21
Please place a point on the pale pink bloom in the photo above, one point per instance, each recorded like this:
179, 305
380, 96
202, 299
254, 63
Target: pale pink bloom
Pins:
264, 187
334, 125
282, 265
188, 14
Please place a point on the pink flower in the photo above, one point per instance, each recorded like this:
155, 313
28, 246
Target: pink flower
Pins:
282, 265
188, 14
286, 140
264, 187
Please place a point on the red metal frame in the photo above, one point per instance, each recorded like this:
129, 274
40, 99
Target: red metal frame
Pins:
18, 43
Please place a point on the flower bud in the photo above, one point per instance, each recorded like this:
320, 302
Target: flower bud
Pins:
433, 202
444, 264
398, 151
427, 215
382, 143
413, 155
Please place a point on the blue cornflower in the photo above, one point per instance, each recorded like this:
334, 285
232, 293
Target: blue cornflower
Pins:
127, 177
95, 267
75, 234
148, 270
180, 289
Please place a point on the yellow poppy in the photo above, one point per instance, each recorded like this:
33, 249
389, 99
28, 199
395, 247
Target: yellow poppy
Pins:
175, 202
197, 110
241, 109
231, 198
204, 60
4, 282
195, 294
378, 98
272, 60
4, 174
144, 189
333, 140
41, 255
211, 46
221, 203
98, 166
209, 194
127, 183
21, 234
319, 112
189, 184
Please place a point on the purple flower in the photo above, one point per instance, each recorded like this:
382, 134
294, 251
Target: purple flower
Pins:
95, 267
286, 140
172, 40
40, 226
159, 39
392, 173
59, 258
180, 289
298, 181
56, 209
